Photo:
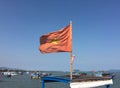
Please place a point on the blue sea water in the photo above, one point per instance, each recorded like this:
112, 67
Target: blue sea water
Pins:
24, 81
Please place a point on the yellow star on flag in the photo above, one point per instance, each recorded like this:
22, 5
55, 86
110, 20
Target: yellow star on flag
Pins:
54, 41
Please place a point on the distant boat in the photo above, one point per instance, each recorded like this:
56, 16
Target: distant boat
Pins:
37, 75
9, 74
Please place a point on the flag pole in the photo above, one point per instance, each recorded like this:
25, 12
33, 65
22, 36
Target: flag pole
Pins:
71, 52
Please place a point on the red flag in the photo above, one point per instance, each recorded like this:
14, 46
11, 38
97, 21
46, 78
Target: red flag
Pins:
59, 41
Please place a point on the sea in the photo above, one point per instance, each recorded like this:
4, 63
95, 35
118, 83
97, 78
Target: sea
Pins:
24, 81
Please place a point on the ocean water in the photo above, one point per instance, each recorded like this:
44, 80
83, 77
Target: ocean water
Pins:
24, 81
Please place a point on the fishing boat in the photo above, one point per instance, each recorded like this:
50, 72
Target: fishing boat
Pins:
61, 41
80, 82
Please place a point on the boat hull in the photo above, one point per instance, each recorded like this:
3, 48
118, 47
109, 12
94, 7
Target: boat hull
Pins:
90, 84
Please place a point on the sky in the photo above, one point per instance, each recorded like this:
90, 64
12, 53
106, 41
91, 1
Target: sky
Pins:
95, 29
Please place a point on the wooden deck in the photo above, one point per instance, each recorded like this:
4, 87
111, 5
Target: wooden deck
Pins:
77, 78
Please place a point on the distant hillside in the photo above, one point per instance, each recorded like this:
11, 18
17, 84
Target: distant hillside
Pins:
4, 68
12, 69
114, 70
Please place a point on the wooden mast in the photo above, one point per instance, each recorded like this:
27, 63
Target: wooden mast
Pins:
71, 52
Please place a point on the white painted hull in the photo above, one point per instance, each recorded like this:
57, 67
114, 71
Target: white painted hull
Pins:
90, 84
